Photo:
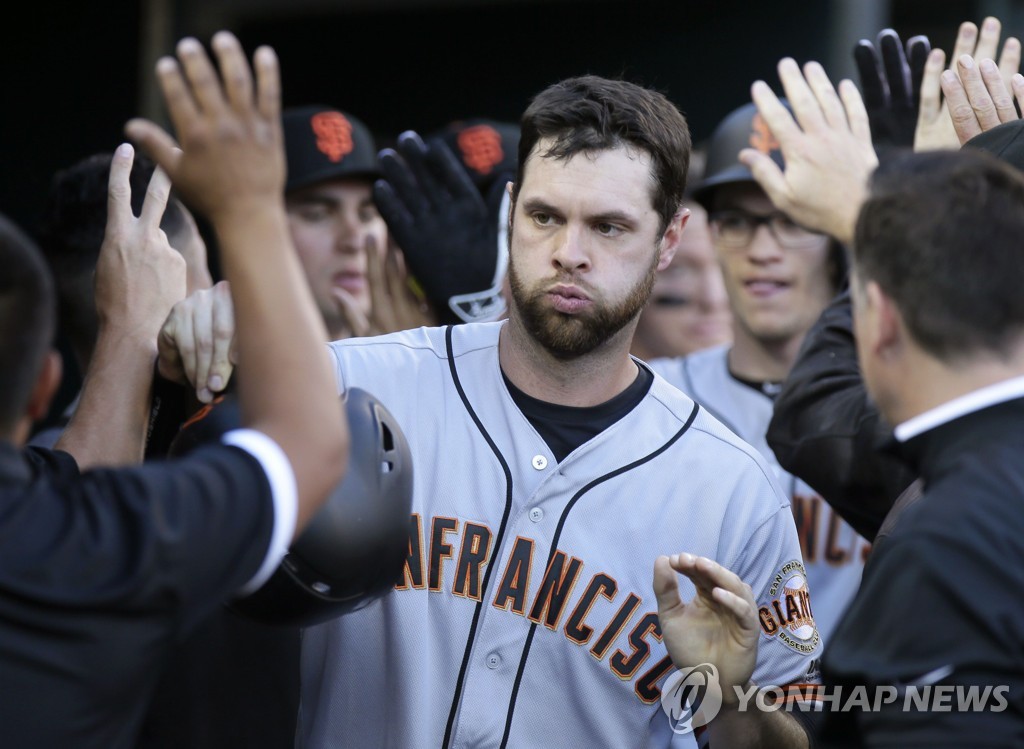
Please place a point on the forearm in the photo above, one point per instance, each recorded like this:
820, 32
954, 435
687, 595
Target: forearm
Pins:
826, 430
286, 388
753, 728
109, 424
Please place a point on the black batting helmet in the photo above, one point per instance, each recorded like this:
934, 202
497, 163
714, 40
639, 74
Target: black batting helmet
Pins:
353, 549
741, 128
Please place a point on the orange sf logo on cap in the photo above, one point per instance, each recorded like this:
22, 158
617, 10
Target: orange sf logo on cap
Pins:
761, 137
333, 135
481, 148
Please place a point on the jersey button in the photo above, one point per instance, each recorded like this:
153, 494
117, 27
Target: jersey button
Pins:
493, 660
536, 514
540, 462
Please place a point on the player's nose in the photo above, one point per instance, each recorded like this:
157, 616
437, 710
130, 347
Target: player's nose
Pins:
349, 233
764, 247
570, 252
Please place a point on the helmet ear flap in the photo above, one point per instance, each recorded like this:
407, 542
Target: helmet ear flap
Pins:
353, 549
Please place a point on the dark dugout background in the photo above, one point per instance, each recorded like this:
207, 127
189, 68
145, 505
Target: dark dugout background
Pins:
72, 73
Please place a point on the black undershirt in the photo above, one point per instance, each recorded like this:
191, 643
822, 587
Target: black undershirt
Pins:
564, 428
764, 387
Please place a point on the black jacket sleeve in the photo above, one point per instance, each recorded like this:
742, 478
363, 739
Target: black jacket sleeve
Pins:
826, 430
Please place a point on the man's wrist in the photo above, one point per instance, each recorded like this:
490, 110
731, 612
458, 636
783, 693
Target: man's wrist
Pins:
119, 334
246, 208
731, 694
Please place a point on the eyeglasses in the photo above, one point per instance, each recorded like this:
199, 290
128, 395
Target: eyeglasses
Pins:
735, 229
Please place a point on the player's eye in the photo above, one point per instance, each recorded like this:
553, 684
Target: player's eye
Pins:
310, 211
607, 230
368, 213
733, 222
785, 223
542, 219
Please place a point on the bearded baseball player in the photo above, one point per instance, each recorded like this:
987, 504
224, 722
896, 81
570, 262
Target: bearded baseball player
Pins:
779, 277
553, 472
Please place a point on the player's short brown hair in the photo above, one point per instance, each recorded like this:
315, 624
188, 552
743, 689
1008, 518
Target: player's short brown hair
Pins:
590, 113
942, 234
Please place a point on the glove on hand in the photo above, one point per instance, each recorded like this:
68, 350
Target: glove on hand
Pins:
891, 83
447, 231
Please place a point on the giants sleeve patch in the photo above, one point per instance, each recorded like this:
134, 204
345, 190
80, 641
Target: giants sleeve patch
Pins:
786, 614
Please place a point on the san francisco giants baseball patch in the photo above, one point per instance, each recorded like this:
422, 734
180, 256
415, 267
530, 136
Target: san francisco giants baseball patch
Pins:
787, 614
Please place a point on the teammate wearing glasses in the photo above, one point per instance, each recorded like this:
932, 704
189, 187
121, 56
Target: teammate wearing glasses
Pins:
779, 277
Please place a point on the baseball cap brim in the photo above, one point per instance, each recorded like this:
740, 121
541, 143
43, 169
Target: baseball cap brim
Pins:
701, 192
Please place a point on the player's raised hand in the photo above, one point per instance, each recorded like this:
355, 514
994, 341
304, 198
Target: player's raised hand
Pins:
718, 626
826, 144
978, 98
446, 230
231, 166
139, 276
891, 83
231, 157
935, 127
230, 163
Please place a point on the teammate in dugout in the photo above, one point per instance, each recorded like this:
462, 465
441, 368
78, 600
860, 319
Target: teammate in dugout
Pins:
553, 472
920, 222
937, 322
779, 276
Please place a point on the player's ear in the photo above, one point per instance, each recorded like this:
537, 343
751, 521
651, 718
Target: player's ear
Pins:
887, 329
46, 386
510, 189
42, 394
672, 236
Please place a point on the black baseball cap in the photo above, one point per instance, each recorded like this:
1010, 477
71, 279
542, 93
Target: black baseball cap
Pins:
323, 143
487, 148
741, 128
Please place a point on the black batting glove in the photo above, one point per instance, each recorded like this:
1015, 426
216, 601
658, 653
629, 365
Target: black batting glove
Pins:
890, 80
446, 230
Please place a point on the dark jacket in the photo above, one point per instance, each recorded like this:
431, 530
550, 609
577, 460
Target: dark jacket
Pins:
826, 430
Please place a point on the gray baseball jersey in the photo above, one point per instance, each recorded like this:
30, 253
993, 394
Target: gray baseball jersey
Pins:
525, 615
833, 552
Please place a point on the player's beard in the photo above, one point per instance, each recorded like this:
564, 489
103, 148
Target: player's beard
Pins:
571, 336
